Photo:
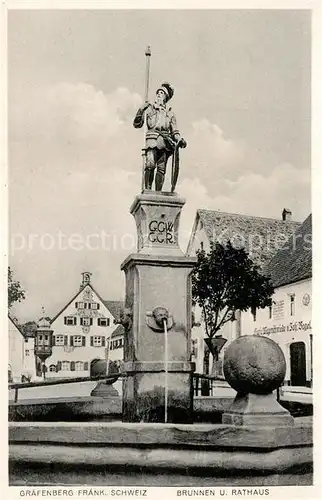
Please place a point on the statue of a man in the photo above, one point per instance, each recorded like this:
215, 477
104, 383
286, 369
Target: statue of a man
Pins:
163, 139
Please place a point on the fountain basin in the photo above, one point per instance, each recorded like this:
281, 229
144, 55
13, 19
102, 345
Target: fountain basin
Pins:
201, 454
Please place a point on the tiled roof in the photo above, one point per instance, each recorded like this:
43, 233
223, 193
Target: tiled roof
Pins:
294, 261
260, 236
114, 306
119, 331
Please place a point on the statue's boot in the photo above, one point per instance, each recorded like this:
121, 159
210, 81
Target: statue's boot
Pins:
148, 178
159, 180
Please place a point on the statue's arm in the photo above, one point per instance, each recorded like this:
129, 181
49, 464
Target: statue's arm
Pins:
139, 117
174, 129
175, 132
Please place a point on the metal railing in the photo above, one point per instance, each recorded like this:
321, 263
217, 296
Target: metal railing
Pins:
58, 381
203, 385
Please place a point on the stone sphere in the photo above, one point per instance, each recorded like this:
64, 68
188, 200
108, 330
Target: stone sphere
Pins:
254, 364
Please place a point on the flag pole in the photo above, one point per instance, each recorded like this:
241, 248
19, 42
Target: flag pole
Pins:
146, 97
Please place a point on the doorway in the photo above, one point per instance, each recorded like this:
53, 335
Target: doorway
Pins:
298, 364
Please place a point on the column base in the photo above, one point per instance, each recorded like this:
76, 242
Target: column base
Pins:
146, 398
257, 409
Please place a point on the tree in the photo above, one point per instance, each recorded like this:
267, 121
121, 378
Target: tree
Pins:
29, 329
15, 291
224, 281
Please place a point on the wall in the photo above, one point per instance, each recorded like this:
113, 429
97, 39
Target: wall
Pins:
16, 351
29, 365
283, 327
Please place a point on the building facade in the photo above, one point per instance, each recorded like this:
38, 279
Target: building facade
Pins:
21, 362
261, 237
82, 333
288, 321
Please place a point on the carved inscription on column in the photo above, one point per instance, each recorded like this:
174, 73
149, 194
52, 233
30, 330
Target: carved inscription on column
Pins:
161, 232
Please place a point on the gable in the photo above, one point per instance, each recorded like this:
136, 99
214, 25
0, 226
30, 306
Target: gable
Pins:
87, 302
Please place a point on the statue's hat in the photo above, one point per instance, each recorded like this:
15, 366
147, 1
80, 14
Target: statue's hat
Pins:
167, 89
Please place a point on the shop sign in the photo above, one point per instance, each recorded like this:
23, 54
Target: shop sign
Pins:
293, 326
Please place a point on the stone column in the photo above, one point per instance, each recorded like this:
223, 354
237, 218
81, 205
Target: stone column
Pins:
159, 381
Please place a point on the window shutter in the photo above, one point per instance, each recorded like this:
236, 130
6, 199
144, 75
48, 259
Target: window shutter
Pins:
75, 321
108, 321
76, 305
53, 338
91, 321
92, 343
83, 341
65, 320
65, 340
103, 341
58, 367
98, 306
71, 340
72, 366
86, 365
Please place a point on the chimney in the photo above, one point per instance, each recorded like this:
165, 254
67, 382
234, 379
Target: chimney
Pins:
286, 214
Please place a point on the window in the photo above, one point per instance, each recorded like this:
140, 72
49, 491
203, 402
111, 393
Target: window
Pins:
292, 304
77, 341
117, 344
80, 305
97, 341
103, 321
86, 321
93, 305
65, 366
59, 340
52, 368
70, 320
79, 366
194, 347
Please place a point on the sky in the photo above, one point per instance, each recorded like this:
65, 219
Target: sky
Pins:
75, 81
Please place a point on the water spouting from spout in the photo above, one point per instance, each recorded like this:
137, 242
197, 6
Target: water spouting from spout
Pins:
165, 371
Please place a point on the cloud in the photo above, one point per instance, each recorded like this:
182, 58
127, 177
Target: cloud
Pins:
211, 154
252, 194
